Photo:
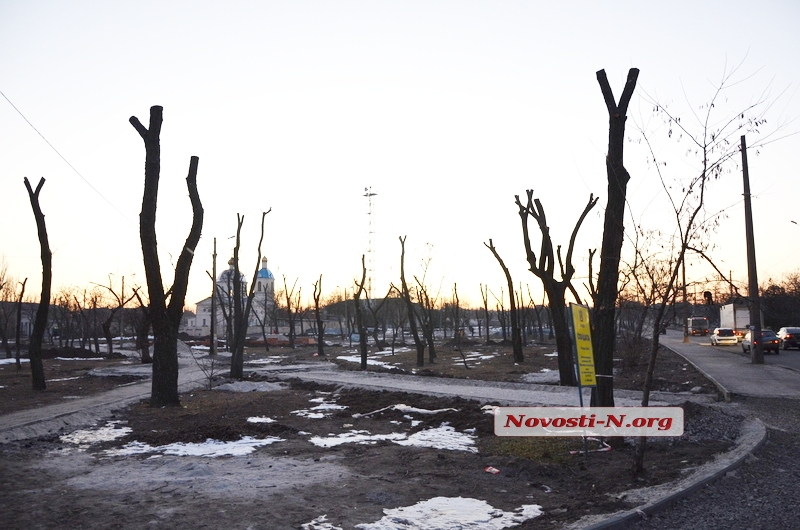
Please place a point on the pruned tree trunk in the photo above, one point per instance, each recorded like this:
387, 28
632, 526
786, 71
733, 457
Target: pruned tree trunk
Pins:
242, 314
18, 335
405, 294
40, 322
362, 332
605, 301
166, 318
318, 316
544, 267
516, 337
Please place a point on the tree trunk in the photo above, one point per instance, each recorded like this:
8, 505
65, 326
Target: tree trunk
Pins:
516, 338
405, 294
40, 322
165, 318
613, 231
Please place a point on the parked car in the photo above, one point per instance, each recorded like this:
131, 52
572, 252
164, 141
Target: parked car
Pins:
769, 341
790, 338
724, 336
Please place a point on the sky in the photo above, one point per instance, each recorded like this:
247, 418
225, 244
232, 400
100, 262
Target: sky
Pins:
445, 110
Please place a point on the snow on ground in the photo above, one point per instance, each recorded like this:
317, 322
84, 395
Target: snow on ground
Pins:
12, 361
272, 359
86, 437
474, 357
250, 386
372, 359
453, 513
404, 408
260, 419
442, 437
209, 448
320, 411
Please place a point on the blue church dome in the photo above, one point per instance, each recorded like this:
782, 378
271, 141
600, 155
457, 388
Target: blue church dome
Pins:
264, 273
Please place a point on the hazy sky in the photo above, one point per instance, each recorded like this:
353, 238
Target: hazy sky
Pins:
446, 109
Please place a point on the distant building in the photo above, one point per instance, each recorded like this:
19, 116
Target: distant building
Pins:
262, 309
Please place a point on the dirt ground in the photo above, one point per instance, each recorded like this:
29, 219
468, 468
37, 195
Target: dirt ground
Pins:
50, 483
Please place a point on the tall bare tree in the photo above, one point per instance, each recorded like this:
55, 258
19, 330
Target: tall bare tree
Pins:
166, 317
405, 294
40, 322
362, 331
605, 300
544, 267
318, 317
516, 336
242, 307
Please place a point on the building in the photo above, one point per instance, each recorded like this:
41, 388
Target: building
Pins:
262, 311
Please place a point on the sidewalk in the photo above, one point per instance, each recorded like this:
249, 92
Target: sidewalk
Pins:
732, 372
89, 410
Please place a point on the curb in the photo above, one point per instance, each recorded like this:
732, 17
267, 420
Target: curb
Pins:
726, 394
662, 496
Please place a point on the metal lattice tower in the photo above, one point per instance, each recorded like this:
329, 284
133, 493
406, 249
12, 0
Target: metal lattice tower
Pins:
370, 234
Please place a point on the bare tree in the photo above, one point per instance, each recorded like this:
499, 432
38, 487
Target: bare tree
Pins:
605, 299
40, 323
427, 304
362, 332
242, 307
544, 267
457, 334
716, 146
17, 335
485, 298
142, 326
318, 317
166, 318
291, 309
516, 337
122, 301
405, 294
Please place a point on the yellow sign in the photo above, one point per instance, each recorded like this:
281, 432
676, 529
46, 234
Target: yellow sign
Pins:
583, 345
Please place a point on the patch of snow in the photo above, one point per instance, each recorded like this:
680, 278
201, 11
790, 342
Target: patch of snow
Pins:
354, 436
272, 359
404, 408
442, 437
454, 513
86, 437
357, 359
209, 448
260, 419
250, 386
62, 379
554, 354
77, 358
320, 524
12, 361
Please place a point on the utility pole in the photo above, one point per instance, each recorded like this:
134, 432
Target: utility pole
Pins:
213, 350
756, 351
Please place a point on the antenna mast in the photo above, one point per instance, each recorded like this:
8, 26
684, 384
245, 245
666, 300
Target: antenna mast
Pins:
370, 234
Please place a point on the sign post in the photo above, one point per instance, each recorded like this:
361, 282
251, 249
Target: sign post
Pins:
582, 351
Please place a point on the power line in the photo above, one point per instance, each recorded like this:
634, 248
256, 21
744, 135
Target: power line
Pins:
65, 160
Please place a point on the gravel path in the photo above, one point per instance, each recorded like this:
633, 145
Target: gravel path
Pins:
759, 494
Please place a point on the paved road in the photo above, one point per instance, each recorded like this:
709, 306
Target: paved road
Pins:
733, 372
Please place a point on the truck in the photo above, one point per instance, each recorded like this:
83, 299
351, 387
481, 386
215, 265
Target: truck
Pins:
697, 326
735, 317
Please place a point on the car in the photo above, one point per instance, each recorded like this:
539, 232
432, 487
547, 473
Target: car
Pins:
769, 341
790, 337
723, 336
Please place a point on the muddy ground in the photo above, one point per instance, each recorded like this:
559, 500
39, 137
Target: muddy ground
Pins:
52, 483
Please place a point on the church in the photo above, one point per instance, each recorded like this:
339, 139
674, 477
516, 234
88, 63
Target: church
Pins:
262, 314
